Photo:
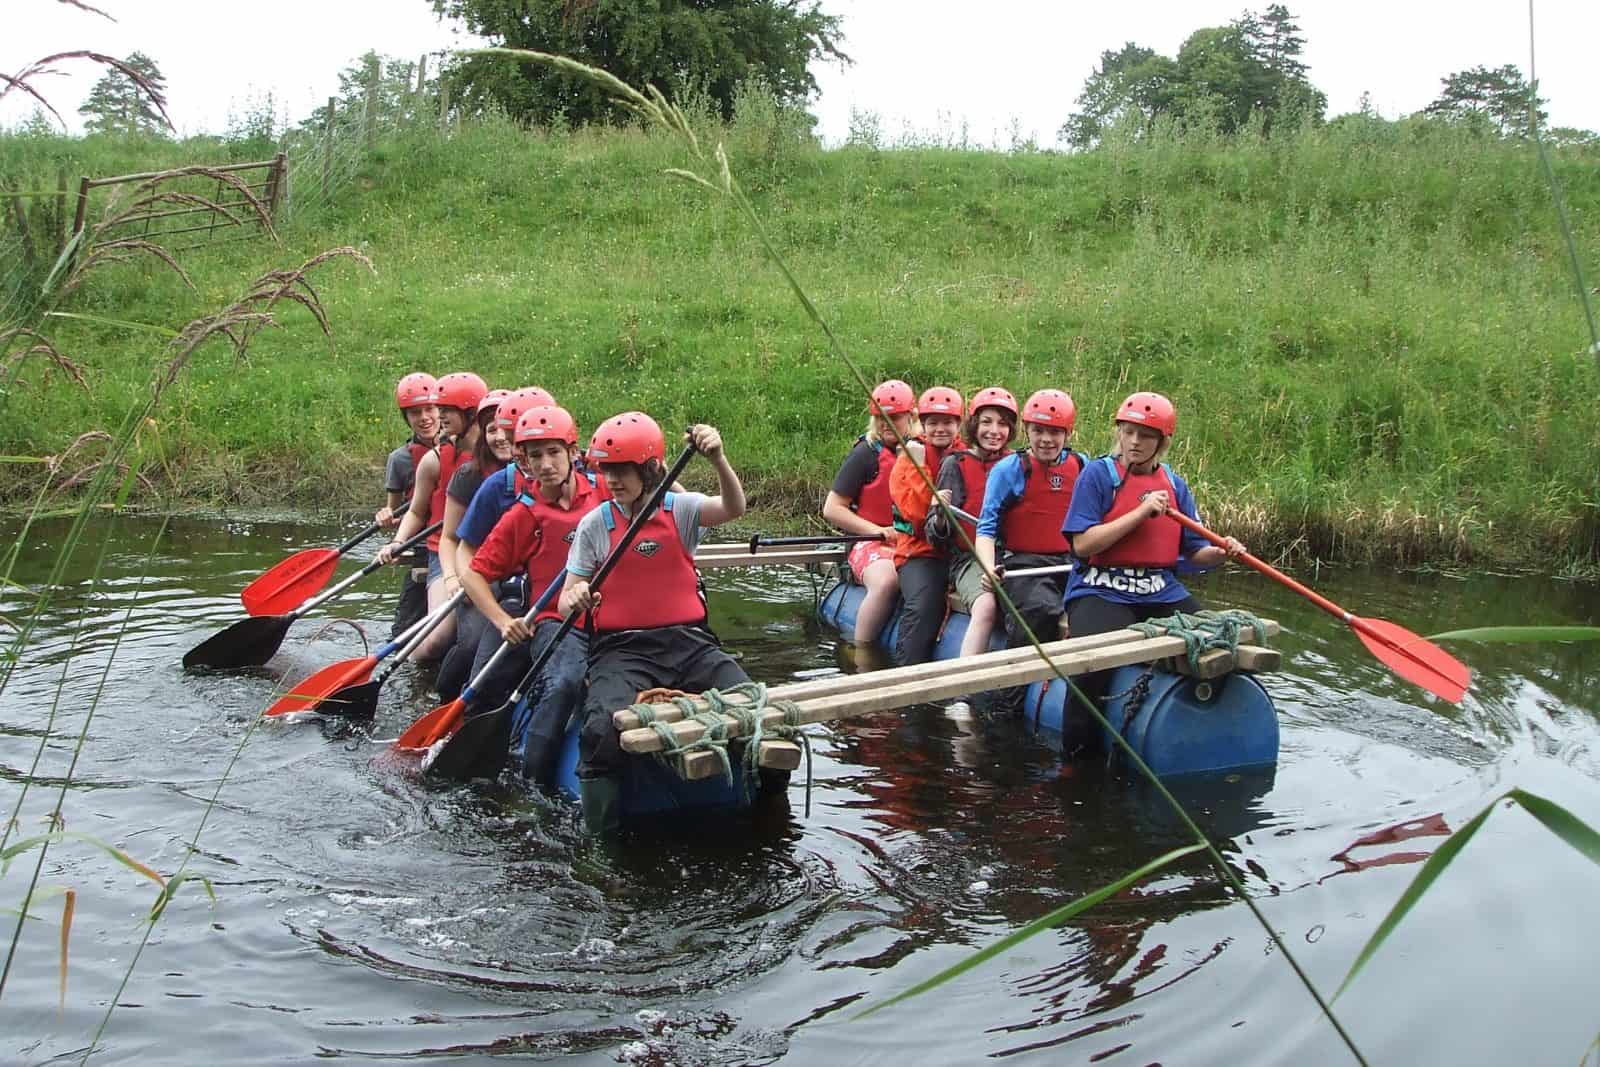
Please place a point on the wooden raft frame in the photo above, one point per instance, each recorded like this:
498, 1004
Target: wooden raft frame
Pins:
850, 695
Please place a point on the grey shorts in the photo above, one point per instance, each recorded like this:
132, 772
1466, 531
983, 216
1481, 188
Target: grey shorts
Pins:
966, 581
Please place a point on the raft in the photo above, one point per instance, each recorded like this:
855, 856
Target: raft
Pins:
1179, 725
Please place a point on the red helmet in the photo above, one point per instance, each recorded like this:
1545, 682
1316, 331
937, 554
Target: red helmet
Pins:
511, 409
546, 423
892, 397
632, 437
416, 390
941, 400
1050, 407
1150, 409
491, 400
535, 397
995, 397
461, 389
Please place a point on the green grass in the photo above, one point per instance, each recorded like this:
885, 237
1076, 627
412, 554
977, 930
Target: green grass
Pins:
1369, 330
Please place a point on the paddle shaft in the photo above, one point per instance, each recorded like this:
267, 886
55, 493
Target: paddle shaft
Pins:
757, 543
368, 532
1269, 570
416, 634
539, 605
329, 594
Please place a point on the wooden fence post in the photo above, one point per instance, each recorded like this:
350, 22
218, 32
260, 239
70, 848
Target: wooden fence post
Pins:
444, 102
422, 77
327, 149
368, 111
59, 230
275, 185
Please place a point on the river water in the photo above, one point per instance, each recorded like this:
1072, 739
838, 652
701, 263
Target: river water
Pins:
362, 914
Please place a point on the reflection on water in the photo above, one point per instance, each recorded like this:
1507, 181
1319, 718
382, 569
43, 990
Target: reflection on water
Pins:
363, 913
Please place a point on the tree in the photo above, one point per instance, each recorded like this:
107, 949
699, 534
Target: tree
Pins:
1132, 81
1500, 98
119, 103
712, 45
1277, 42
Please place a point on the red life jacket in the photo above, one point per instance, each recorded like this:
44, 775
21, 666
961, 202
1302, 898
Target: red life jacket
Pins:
417, 450
655, 583
873, 503
451, 456
1033, 522
557, 527
974, 471
1155, 541
932, 456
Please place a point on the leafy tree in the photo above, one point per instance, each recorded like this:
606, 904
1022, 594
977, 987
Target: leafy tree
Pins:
713, 45
1221, 76
1500, 99
118, 103
1134, 81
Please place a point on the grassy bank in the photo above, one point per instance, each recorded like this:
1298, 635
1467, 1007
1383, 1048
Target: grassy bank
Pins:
1370, 331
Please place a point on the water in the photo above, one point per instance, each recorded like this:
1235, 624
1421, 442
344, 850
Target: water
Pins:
363, 914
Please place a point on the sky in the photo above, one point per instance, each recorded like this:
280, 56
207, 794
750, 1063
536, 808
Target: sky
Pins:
923, 67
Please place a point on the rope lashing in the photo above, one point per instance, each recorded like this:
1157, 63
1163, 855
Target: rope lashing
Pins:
749, 701
1205, 630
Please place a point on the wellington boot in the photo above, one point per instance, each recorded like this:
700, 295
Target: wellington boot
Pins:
602, 805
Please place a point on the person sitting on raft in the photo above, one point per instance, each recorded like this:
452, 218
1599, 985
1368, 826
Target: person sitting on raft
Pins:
924, 575
649, 621
491, 454
459, 395
1024, 504
534, 538
1119, 527
859, 502
964, 475
418, 397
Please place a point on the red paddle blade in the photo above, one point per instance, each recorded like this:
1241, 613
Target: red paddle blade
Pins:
439, 723
310, 692
288, 585
1416, 659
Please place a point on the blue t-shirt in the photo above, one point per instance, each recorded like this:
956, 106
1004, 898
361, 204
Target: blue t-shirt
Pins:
492, 500
1091, 499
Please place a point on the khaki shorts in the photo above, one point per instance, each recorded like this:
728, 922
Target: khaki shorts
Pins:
966, 582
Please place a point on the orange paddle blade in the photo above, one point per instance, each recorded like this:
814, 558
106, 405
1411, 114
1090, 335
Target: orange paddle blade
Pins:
310, 692
288, 585
439, 723
1414, 658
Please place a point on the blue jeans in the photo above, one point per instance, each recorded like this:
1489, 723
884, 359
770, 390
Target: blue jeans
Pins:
539, 722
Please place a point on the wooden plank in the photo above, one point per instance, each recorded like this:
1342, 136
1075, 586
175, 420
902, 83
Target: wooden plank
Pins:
1219, 661
848, 683
775, 755
769, 558
889, 696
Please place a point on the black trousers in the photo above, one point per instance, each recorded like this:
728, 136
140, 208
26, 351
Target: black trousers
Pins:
924, 596
1038, 598
622, 665
1080, 734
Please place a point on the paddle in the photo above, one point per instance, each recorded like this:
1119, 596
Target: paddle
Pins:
311, 693
252, 641
758, 542
1414, 658
361, 701
444, 720
287, 584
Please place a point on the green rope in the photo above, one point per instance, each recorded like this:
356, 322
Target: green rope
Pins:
1205, 630
746, 713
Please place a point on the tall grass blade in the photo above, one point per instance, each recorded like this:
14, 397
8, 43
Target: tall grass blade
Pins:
55, 836
1558, 820
1038, 926
123, 324
1520, 634
69, 904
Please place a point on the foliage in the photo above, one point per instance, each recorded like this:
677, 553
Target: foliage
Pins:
1498, 100
390, 84
709, 45
124, 101
1222, 76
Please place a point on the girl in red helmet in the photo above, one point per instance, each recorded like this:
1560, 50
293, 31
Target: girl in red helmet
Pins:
534, 538
859, 502
649, 622
963, 480
418, 396
1118, 524
923, 572
491, 453
1024, 503
459, 394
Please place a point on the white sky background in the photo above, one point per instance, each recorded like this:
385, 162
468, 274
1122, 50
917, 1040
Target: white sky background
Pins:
925, 66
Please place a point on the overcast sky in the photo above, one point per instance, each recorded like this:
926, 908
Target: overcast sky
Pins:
926, 66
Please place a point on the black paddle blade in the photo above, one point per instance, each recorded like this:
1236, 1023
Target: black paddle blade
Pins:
476, 750
353, 702
247, 643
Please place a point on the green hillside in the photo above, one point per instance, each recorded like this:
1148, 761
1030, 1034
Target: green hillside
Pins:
1370, 329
